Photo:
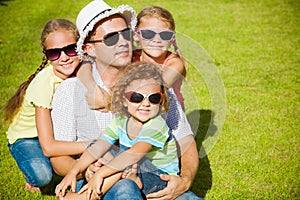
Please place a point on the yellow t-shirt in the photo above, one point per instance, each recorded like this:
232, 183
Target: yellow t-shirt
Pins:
39, 93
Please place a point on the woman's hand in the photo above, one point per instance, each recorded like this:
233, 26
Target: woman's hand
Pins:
94, 167
93, 187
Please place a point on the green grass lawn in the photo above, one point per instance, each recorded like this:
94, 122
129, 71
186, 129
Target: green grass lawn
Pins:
251, 71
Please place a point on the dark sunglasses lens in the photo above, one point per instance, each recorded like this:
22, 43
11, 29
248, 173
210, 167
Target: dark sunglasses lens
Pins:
127, 34
111, 39
166, 35
52, 54
148, 34
70, 50
136, 98
155, 98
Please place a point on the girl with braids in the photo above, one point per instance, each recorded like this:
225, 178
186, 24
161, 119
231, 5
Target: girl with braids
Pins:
139, 98
30, 136
155, 33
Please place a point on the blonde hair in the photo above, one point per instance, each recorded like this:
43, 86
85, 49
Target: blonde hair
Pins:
158, 12
165, 16
15, 102
137, 71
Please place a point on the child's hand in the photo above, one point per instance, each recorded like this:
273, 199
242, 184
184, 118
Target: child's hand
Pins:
69, 180
98, 99
93, 187
94, 167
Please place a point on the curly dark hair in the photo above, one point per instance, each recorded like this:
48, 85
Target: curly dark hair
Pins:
137, 71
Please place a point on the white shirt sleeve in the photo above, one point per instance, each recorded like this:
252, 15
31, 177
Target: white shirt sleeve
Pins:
62, 114
176, 118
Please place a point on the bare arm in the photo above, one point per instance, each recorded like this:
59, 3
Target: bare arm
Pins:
85, 75
62, 164
173, 71
89, 156
97, 97
118, 164
50, 146
189, 160
125, 159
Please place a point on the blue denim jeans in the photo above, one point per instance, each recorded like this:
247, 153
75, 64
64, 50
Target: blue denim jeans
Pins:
149, 175
150, 178
124, 189
188, 196
31, 161
80, 183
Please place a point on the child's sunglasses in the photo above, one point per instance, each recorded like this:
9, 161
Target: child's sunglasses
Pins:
148, 34
134, 97
54, 54
111, 39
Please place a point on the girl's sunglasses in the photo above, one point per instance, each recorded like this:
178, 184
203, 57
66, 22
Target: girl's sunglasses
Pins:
54, 54
134, 97
148, 34
111, 39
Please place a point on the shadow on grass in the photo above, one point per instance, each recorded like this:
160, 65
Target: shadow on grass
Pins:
49, 190
3, 2
202, 125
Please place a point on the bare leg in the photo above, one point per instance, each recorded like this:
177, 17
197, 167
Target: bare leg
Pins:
74, 196
31, 188
110, 181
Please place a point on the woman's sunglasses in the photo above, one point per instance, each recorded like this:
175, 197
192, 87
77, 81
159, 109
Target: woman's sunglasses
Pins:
134, 97
111, 39
148, 34
54, 54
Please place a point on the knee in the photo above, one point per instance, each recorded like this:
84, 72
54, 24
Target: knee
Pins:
45, 179
126, 189
125, 185
41, 176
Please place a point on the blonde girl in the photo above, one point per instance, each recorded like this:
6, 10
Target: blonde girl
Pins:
155, 33
30, 136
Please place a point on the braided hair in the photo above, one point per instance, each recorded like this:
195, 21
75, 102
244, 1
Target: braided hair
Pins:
14, 104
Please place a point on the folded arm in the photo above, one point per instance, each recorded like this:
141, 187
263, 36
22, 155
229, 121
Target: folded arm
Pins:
125, 159
50, 146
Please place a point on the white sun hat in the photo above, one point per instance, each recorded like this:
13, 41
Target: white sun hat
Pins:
94, 12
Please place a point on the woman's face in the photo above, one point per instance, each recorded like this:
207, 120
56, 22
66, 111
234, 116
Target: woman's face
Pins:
155, 47
65, 64
144, 110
